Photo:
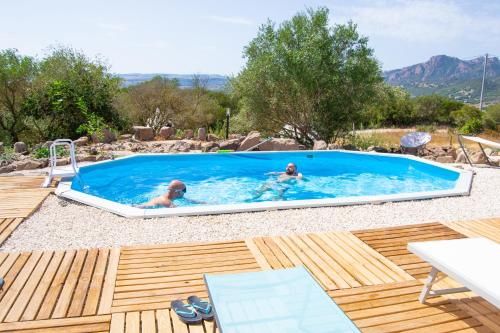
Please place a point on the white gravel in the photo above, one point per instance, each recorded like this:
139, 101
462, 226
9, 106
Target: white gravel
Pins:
61, 224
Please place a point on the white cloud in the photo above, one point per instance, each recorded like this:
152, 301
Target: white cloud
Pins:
423, 21
231, 20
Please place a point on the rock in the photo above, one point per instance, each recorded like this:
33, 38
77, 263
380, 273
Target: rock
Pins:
126, 136
320, 145
478, 158
20, 147
167, 132
181, 146
252, 139
488, 151
7, 168
461, 158
143, 133
445, 159
83, 141
188, 134
212, 137
93, 151
278, 144
208, 146
333, 146
231, 144
495, 160
27, 164
236, 136
214, 149
350, 147
63, 161
106, 136
302, 147
377, 149
202, 134
2, 149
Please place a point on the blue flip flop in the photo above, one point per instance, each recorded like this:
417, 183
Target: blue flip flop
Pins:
204, 308
186, 312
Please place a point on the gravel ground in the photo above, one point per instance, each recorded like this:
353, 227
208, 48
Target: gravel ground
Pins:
61, 224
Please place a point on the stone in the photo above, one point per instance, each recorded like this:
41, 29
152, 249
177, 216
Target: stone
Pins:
202, 134
181, 146
20, 147
236, 136
333, 146
350, 147
302, 147
143, 133
377, 149
63, 161
7, 168
252, 139
279, 144
83, 141
27, 164
461, 158
93, 151
488, 151
495, 160
230, 144
208, 146
212, 137
106, 136
445, 159
2, 149
214, 149
320, 145
167, 132
188, 134
478, 158
126, 136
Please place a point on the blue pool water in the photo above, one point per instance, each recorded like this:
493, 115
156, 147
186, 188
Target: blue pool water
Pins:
241, 177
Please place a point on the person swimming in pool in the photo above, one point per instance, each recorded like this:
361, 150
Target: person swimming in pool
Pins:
176, 190
279, 185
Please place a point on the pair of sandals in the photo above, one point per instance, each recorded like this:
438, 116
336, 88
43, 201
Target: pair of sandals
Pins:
194, 312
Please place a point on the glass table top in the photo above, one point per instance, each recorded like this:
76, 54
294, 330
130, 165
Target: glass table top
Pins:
285, 300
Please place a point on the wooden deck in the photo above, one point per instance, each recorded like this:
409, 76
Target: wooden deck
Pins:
19, 198
369, 273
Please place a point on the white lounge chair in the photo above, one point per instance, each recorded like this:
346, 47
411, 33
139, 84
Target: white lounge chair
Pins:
473, 262
480, 142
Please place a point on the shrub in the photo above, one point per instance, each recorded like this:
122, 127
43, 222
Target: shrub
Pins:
468, 118
43, 152
426, 128
7, 156
363, 141
472, 126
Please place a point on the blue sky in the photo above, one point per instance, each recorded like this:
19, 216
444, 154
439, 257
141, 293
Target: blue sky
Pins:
161, 36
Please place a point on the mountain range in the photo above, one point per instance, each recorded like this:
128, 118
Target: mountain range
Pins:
451, 77
444, 75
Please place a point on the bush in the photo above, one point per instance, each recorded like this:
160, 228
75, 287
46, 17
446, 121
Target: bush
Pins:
492, 112
472, 126
362, 141
7, 156
43, 152
426, 128
467, 117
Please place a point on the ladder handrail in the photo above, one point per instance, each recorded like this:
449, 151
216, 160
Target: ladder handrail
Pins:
53, 158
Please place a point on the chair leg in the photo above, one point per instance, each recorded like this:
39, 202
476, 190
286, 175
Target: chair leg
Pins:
428, 285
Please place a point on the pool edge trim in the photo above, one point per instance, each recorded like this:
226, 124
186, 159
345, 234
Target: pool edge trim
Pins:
462, 187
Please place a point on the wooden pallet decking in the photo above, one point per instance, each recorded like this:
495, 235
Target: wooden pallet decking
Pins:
489, 228
392, 243
336, 259
19, 198
90, 324
57, 284
150, 277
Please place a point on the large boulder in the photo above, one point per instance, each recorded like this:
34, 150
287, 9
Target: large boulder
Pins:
208, 146
202, 134
7, 168
478, 158
212, 137
445, 159
181, 146
27, 164
126, 136
188, 134
106, 136
231, 144
143, 133
320, 145
2, 149
167, 132
461, 158
278, 144
377, 149
80, 142
20, 147
252, 139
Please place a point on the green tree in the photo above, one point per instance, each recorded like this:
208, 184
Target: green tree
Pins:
492, 113
392, 107
68, 89
435, 109
16, 76
468, 119
305, 78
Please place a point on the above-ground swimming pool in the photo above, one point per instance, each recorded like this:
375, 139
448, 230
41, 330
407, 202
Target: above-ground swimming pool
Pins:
236, 182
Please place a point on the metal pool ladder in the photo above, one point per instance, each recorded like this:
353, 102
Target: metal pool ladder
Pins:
61, 172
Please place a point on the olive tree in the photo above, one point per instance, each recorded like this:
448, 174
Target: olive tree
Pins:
305, 78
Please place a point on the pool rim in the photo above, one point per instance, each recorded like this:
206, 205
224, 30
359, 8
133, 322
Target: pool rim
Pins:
462, 187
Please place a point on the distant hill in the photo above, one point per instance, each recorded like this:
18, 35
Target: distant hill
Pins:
449, 76
213, 81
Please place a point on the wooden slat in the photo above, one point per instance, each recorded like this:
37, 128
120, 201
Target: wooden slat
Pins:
489, 228
78, 324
